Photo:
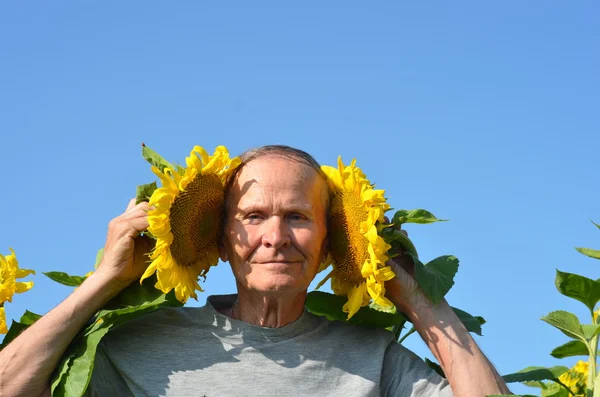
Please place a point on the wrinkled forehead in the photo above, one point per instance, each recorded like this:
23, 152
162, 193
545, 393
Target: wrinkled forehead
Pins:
276, 175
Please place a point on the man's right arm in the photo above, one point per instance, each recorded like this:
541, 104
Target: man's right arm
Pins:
27, 363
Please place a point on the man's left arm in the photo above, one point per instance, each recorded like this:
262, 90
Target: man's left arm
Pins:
467, 369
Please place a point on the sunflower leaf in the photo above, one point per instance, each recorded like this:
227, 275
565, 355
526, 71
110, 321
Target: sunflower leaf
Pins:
589, 252
578, 287
29, 318
570, 349
437, 276
472, 323
567, 323
75, 369
536, 374
144, 192
414, 216
399, 242
19, 326
155, 159
330, 306
65, 279
597, 225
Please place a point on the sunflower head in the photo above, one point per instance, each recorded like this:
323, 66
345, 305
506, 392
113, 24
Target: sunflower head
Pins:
358, 254
186, 220
9, 273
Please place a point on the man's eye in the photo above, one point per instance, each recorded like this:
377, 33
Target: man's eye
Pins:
297, 217
253, 217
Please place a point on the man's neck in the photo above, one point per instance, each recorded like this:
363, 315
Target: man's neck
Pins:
272, 311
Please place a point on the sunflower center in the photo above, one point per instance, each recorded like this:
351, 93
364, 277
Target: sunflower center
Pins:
196, 219
348, 246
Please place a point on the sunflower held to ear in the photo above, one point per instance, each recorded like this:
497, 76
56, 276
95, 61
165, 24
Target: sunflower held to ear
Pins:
357, 252
186, 220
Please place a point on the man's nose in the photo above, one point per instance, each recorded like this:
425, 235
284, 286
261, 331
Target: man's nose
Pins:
276, 233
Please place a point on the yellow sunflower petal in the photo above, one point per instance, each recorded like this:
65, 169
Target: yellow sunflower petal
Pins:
3, 328
23, 286
355, 300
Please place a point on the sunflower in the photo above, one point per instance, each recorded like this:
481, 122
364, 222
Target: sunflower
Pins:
357, 252
576, 378
186, 219
9, 273
3, 328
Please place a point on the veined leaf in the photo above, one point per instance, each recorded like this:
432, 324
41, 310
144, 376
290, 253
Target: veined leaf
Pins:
589, 252
567, 323
597, 225
144, 192
535, 374
65, 279
578, 287
156, 159
436, 277
473, 324
330, 306
570, 349
414, 216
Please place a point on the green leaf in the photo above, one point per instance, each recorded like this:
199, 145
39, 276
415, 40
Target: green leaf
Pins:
590, 330
144, 192
597, 225
75, 368
473, 324
435, 366
156, 159
65, 279
535, 374
399, 242
99, 256
570, 349
414, 216
578, 287
330, 306
589, 252
74, 371
566, 322
29, 318
17, 327
436, 277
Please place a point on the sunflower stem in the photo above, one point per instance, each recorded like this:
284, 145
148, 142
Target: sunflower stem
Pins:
410, 331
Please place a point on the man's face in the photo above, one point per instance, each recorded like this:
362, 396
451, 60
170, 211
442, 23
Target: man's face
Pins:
275, 231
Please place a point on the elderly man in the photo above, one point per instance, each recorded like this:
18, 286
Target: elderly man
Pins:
260, 341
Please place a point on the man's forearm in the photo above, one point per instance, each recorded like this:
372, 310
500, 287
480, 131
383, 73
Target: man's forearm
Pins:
467, 369
26, 364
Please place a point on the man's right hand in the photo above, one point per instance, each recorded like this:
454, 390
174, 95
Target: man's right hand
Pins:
27, 363
126, 252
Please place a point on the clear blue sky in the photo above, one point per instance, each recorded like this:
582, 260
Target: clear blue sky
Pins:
485, 113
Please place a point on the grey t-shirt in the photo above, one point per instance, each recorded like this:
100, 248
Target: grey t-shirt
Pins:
200, 352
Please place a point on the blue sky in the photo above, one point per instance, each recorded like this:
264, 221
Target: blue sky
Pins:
485, 113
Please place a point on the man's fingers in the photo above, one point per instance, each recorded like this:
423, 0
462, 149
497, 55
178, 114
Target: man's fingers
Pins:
130, 205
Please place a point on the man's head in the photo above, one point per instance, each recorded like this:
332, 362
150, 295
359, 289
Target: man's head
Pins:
275, 225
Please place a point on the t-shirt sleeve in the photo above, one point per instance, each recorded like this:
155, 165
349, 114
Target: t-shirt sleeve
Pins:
406, 374
106, 379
